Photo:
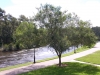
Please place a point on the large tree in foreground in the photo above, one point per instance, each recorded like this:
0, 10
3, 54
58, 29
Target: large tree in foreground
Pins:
54, 21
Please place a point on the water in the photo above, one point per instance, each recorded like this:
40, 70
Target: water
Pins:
18, 57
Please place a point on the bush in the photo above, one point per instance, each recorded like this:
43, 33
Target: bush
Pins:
16, 47
5, 47
9, 47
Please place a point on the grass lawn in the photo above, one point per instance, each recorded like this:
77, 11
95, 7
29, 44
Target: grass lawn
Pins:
25, 64
71, 69
93, 58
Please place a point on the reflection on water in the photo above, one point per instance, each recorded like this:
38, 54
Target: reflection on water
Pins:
13, 58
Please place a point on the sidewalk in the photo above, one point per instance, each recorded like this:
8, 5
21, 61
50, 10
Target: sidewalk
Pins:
85, 63
51, 62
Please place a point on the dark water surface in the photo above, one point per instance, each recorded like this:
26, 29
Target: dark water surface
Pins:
18, 57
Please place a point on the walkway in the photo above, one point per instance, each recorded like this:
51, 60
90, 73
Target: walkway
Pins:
85, 63
51, 62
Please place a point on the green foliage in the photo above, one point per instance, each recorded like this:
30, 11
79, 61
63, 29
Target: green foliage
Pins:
8, 25
5, 47
52, 22
24, 35
27, 35
81, 33
9, 47
69, 69
64, 30
96, 30
87, 37
53, 19
23, 18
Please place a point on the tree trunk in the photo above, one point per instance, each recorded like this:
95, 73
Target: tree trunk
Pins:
77, 46
34, 55
59, 56
74, 50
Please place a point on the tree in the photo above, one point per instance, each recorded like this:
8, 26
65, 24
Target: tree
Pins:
23, 18
79, 32
8, 24
72, 31
28, 36
2, 13
72, 34
86, 35
22, 33
96, 30
24, 36
53, 20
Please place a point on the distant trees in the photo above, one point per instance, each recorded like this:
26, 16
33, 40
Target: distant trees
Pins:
23, 18
86, 35
96, 30
27, 36
24, 35
80, 33
49, 18
2, 12
8, 24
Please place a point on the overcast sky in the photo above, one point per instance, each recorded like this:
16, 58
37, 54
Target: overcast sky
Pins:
85, 9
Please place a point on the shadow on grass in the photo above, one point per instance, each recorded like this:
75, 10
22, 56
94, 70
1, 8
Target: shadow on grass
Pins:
70, 69
26, 69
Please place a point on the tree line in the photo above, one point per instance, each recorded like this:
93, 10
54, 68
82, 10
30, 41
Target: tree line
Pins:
96, 30
50, 26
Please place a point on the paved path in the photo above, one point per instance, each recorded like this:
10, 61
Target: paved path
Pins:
85, 63
51, 62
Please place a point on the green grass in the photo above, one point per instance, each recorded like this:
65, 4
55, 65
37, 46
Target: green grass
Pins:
93, 58
71, 69
26, 64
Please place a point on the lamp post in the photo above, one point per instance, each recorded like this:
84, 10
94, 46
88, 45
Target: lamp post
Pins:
34, 53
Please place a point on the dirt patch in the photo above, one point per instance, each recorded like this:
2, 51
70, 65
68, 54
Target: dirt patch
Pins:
62, 65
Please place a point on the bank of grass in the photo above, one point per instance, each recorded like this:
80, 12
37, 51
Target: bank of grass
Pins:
93, 58
72, 68
26, 64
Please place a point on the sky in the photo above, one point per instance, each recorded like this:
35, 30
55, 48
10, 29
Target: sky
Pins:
85, 9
